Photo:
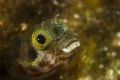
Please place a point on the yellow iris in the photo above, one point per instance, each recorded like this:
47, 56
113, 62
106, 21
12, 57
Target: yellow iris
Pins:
41, 39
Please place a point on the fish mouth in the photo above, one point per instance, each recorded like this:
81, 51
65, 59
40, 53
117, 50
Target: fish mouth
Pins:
71, 45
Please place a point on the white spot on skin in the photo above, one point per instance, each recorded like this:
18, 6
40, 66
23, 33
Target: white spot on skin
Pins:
46, 57
65, 28
71, 47
50, 59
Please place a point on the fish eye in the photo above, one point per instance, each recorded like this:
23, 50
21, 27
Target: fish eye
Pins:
41, 39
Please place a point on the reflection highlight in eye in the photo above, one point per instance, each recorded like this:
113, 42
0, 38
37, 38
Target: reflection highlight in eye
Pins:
41, 39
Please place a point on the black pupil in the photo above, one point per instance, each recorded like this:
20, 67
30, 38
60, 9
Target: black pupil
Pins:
41, 39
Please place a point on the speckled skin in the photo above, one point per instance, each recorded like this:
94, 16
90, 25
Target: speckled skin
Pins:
95, 21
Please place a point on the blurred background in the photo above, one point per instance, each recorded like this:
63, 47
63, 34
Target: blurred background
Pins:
96, 22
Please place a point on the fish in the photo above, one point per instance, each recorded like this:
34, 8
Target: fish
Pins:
95, 23
42, 49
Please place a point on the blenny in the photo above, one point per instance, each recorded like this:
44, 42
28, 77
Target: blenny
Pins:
43, 48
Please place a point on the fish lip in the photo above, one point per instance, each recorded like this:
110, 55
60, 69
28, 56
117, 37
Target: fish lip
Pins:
71, 45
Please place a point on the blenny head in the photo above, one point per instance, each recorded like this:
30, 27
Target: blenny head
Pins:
45, 48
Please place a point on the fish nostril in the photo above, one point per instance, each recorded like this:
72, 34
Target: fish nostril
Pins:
32, 54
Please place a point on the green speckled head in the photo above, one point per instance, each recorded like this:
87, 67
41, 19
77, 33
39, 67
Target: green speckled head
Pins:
46, 47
